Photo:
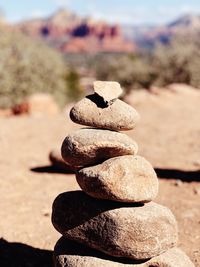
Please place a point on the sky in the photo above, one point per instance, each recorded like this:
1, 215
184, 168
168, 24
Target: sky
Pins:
120, 11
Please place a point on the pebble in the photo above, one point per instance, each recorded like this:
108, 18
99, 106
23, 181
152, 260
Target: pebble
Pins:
58, 162
178, 183
109, 91
197, 190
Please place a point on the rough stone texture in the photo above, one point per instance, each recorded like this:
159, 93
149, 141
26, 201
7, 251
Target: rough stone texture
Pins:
58, 162
68, 253
92, 112
132, 231
109, 91
125, 178
91, 146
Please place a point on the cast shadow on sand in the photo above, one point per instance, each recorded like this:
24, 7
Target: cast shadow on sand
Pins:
21, 255
187, 176
51, 169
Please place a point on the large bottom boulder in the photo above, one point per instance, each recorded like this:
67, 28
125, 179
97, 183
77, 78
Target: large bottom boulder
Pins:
68, 253
121, 230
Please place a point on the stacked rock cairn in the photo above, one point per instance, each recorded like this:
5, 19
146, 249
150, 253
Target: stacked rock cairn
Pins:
113, 220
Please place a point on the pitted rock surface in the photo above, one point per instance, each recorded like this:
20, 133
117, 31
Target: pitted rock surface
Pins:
133, 231
118, 117
68, 253
125, 178
92, 146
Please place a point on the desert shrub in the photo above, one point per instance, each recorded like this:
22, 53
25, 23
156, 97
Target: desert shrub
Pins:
27, 66
129, 70
177, 62
73, 83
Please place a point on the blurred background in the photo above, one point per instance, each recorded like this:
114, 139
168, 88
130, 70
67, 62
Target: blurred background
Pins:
60, 46
51, 51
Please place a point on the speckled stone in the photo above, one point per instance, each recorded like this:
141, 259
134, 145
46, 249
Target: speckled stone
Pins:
133, 231
87, 147
68, 253
118, 117
125, 178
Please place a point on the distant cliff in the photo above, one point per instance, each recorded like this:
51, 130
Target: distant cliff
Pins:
70, 33
146, 36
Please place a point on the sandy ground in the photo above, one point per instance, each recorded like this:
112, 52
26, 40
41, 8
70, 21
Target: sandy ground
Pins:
168, 135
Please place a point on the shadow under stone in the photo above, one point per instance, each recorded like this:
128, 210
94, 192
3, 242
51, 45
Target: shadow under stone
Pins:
98, 100
187, 176
74, 208
21, 255
51, 169
68, 247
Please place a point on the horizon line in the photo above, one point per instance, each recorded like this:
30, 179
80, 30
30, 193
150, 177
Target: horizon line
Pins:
51, 14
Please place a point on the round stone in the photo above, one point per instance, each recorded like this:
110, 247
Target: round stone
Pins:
57, 161
132, 231
87, 147
68, 253
118, 117
126, 179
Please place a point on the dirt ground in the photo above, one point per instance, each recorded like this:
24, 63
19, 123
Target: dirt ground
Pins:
168, 136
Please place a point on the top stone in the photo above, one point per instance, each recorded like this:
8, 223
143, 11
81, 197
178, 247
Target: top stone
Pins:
109, 91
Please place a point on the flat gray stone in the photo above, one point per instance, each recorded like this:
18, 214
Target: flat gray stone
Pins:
87, 147
137, 232
125, 179
109, 91
68, 253
118, 117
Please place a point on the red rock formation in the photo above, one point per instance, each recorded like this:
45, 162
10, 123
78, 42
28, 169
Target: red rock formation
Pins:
92, 38
72, 34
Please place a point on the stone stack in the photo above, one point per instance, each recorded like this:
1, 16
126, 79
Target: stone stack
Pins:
113, 221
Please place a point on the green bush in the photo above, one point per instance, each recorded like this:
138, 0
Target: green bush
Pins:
176, 62
26, 67
129, 70
73, 83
